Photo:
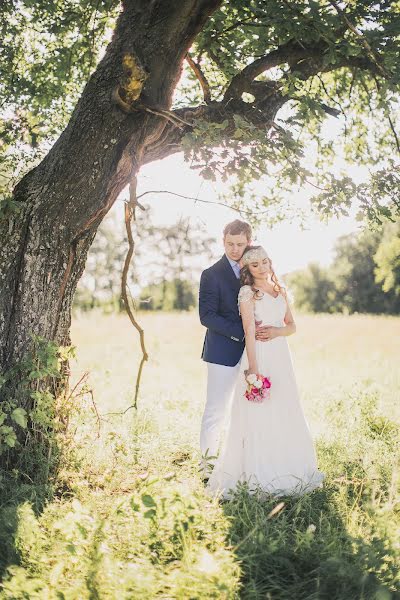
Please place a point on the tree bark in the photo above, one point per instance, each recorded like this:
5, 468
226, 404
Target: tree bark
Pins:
64, 199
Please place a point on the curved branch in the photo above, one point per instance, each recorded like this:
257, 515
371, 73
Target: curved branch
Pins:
241, 211
129, 215
205, 86
307, 62
289, 53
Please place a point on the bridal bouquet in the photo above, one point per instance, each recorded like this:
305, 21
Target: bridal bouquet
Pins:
258, 387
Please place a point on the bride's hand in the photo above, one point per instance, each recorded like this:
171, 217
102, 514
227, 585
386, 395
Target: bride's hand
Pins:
251, 371
271, 332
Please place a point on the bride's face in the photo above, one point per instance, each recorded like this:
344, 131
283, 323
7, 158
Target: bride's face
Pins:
260, 269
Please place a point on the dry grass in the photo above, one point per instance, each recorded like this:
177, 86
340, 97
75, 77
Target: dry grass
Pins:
333, 356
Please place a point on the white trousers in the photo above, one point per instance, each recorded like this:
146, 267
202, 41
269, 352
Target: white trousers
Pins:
220, 385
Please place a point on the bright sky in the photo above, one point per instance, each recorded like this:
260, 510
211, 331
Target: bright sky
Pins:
289, 246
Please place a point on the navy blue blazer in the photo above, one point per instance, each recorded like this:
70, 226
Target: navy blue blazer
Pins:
218, 309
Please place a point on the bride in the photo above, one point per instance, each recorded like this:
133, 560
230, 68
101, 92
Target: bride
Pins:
268, 445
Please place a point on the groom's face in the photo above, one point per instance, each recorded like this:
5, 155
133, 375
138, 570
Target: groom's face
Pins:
235, 245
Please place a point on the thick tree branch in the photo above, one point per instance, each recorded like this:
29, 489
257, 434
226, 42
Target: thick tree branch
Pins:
306, 60
261, 115
289, 53
268, 99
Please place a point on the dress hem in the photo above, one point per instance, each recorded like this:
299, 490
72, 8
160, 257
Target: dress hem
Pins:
266, 491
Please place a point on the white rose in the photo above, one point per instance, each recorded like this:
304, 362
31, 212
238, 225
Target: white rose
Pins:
252, 378
257, 384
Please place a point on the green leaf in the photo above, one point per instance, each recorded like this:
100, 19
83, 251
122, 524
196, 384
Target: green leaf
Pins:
20, 417
148, 500
9, 436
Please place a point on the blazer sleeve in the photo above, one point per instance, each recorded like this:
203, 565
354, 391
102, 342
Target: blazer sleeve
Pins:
208, 307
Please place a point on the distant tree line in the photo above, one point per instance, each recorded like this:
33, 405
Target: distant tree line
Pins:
167, 265
363, 278
178, 294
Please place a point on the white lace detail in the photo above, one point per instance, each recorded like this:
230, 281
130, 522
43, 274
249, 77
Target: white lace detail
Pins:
289, 295
245, 294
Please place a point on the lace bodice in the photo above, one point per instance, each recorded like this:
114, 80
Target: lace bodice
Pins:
269, 310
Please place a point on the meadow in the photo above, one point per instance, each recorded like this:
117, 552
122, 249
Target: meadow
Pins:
129, 518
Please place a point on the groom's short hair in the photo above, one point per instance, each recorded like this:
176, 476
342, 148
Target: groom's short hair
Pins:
237, 227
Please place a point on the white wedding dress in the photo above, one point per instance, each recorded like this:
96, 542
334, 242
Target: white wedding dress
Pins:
268, 444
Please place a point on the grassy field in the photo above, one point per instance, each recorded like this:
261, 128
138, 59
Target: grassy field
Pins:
130, 518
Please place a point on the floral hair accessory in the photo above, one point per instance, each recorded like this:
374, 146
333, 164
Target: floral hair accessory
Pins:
253, 255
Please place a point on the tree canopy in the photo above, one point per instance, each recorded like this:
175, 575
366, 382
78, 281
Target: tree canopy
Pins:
260, 82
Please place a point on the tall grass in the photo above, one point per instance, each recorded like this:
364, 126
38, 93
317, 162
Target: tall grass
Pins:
129, 518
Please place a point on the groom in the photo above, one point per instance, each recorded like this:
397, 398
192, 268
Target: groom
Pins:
224, 341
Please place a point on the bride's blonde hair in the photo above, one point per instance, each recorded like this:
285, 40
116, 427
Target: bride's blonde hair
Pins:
246, 278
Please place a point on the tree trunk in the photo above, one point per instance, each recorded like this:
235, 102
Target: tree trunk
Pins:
64, 199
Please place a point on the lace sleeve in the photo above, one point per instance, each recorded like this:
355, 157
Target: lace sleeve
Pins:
289, 295
245, 294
